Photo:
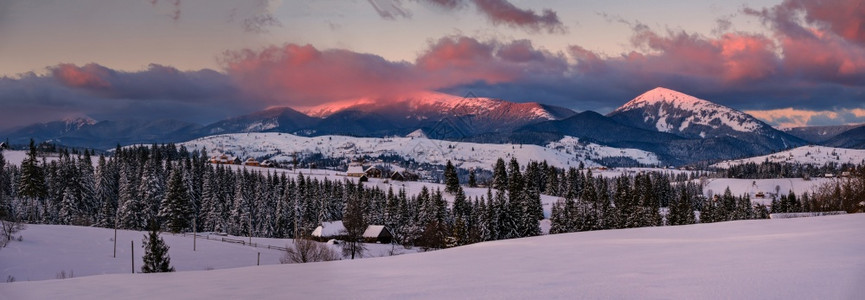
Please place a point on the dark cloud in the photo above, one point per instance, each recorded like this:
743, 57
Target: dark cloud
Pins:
504, 12
498, 12
389, 9
103, 93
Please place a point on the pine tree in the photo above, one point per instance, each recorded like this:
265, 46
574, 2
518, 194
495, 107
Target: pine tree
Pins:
452, 181
156, 257
130, 209
31, 183
473, 181
500, 175
175, 209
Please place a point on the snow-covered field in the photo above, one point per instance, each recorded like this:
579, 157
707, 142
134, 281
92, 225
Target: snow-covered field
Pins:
567, 152
803, 258
15, 157
768, 187
815, 155
47, 250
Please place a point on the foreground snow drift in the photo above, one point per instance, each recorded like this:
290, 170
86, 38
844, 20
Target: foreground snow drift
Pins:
807, 258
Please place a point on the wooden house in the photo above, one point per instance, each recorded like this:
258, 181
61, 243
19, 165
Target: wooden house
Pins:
251, 162
329, 230
355, 170
377, 234
223, 159
373, 172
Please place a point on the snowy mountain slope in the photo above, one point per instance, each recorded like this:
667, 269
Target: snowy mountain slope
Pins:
46, 250
422, 103
665, 110
281, 119
675, 112
813, 155
435, 112
804, 258
279, 147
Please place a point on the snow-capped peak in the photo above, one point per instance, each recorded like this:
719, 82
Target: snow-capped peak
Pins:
426, 101
672, 111
663, 95
79, 121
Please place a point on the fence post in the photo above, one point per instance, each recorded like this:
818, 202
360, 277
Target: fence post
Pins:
194, 234
258, 263
132, 246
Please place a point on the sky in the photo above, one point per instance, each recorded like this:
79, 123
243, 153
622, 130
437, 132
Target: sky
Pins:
787, 62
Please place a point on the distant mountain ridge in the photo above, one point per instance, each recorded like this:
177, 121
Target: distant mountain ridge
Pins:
819, 134
439, 115
679, 128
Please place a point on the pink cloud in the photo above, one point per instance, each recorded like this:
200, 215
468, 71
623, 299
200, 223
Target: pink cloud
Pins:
304, 76
90, 76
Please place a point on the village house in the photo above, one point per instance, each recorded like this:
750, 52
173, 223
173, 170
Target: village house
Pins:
336, 230
377, 234
373, 172
251, 162
223, 159
355, 170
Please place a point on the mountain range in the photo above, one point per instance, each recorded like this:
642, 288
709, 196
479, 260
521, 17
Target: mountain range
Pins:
679, 128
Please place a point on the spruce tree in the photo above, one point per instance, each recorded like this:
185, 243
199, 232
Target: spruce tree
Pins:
452, 181
500, 175
156, 259
473, 181
175, 209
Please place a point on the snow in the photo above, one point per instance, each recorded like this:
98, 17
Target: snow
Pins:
567, 152
417, 134
432, 101
697, 111
751, 187
328, 229
813, 155
15, 157
46, 250
802, 258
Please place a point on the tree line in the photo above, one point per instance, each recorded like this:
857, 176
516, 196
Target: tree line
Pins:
180, 191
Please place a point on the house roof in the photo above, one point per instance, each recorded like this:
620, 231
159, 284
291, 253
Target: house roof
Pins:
355, 169
373, 231
328, 229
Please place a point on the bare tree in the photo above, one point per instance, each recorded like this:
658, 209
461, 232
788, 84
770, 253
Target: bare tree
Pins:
8, 229
306, 250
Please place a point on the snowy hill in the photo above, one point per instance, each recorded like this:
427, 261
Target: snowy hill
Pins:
813, 155
279, 147
804, 258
